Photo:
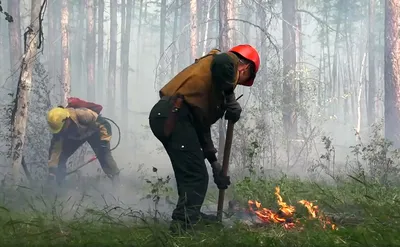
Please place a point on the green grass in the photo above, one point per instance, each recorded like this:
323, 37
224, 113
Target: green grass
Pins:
366, 213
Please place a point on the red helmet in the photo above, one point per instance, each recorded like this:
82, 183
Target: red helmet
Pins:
251, 54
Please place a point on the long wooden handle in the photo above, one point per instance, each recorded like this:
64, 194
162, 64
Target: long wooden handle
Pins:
225, 166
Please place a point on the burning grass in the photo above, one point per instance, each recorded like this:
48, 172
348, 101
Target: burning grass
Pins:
285, 214
374, 207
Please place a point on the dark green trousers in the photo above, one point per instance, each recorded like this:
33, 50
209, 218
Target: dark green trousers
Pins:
184, 150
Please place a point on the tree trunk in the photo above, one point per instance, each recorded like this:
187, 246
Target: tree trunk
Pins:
300, 56
14, 29
122, 9
223, 45
371, 65
201, 8
123, 17
20, 113
125, 68
95, 27
4, 46
392, 71
174, 38
206, 42
329, 88
345, 93
351, 81
112, 59
100, 52
335, 82
223, 42
320, 77
359, 93
90, 51
289, 66
184, 37
193, 29
214, 25
66, 76
162, 28
80, 59
230, 14
138, 43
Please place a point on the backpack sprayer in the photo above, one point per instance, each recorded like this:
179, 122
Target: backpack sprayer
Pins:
76, 103
95, 157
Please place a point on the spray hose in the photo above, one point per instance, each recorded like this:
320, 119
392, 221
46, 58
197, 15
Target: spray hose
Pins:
119, 132
94, 157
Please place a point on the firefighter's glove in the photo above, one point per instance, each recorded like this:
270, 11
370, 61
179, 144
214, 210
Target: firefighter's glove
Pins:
209, 154
233, 109
220, 180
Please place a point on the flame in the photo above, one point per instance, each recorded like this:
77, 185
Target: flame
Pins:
315, 213
286, 212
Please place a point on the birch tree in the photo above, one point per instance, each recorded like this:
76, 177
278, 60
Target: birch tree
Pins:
20, 114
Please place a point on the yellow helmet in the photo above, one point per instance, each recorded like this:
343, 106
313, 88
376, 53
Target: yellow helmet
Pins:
56, 118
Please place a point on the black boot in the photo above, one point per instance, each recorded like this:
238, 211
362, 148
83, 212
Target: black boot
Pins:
209, 217
209, 220
178, 227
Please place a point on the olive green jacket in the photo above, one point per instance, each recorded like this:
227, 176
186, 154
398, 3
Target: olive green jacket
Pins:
204, 85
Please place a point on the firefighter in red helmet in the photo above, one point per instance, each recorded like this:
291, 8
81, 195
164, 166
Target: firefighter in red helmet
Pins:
181, 120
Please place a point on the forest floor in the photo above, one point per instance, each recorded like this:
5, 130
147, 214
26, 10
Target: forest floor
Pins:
365, 213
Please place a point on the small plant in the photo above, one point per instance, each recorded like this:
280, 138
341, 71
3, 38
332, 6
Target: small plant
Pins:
158, 187
379, 159
326, 161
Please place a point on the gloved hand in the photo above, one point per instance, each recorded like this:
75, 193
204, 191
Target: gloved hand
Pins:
233, 108
220, 180
209, 154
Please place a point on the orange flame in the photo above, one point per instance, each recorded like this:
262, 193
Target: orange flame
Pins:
286, 212
284, 215
315, 213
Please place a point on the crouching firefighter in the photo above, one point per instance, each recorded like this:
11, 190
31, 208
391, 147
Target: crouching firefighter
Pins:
72, 126
181, 120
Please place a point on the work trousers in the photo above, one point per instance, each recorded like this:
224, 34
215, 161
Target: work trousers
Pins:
100, 147
187, 158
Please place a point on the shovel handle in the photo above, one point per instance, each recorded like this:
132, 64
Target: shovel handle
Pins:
225, 166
